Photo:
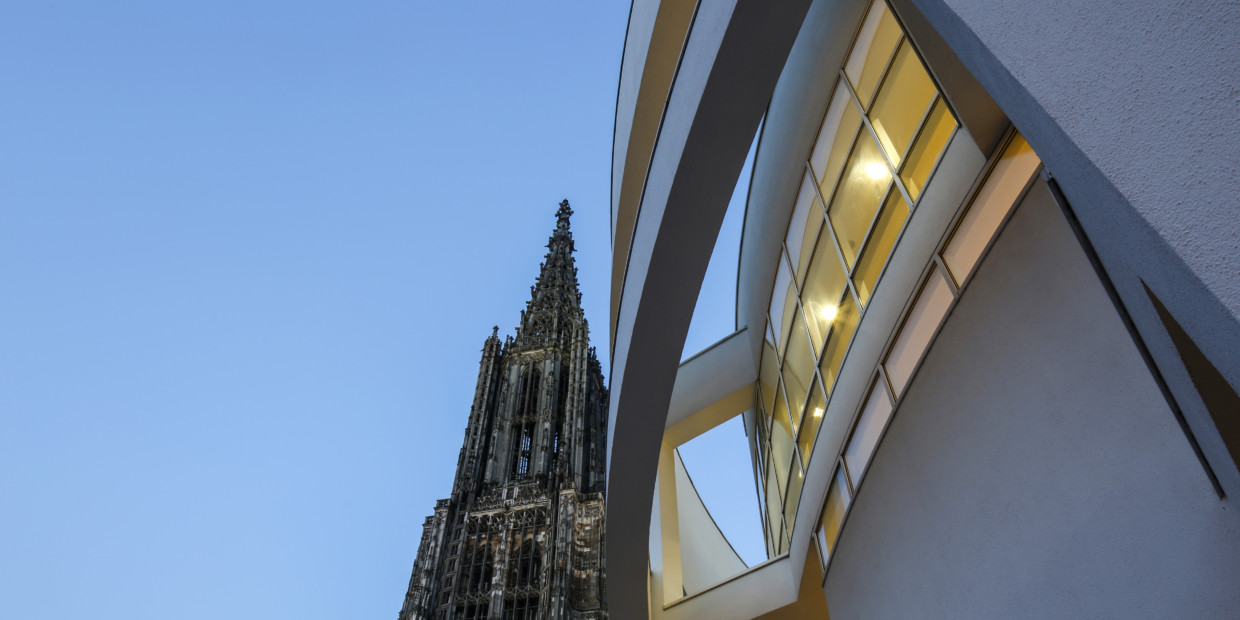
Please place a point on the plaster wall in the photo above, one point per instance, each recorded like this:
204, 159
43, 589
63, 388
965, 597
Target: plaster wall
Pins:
1132, 108
1033, 469
1154, 106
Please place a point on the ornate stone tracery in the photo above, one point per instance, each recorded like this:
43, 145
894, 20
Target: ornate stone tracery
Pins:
522, 534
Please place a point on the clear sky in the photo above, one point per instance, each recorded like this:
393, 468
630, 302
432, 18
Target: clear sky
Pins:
249, 252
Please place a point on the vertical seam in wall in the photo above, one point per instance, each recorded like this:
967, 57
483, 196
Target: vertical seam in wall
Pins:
1131, 326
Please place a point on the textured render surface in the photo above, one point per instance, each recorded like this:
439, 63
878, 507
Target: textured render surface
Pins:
1034, 470
1132, 110
1150, 92
706, 557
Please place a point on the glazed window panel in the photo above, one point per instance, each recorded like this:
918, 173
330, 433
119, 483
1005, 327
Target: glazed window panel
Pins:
823, 287
835, 138
838, 499
869, 429
781, 443
930, 144
1003, 186
923, 320
769, 374
803, 229
879, 35
844, 326
796, 477
905, 97
774, 501
814, 408
798, 369
865, 181
783, 301
878, 248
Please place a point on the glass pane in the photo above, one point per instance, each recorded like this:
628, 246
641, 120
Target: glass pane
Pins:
781, 443
783, 301
923, 319
839, 127
768, 376
783, 541
1010, 176
763, 424
879, 35
902, 101
823, 287
793, 496
837, 342
809, 426
798, 369
833, 512
878, 248
803, 229
774, 503
870, 425
865, 180
934, 136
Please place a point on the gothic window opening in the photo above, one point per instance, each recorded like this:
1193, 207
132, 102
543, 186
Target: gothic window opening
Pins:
524, 576
561, 398
473, 612
479, 574
521, 608
524, 418
526, 565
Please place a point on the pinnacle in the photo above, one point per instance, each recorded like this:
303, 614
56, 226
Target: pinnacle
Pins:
555, 292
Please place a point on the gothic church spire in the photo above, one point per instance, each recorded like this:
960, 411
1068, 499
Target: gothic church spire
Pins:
555, 299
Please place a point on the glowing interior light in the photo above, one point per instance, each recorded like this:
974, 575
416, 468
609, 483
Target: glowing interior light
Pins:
876, 170
818, 412
829, 312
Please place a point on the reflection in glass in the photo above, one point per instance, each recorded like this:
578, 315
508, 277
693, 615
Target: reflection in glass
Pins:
821, 295
833, 513
1011, 174
870, 425
856, 200
781, 443
837, 341
769, 375
839, 127
798, 369
774, 501
814, 410
926, 150
783, 300
878, 248
923, 320
879, 35
906, 94
796, 477
803, 229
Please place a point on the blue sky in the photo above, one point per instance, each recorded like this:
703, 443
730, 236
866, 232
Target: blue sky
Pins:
249, 252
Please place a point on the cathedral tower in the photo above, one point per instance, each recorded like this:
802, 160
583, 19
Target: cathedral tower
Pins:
521, 537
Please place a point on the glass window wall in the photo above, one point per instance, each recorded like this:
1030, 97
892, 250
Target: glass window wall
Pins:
882, 134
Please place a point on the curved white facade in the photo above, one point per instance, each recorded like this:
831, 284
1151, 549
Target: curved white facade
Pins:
1023, 402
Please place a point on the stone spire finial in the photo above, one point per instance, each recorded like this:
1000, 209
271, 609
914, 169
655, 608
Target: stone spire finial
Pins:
554, 293
562, 215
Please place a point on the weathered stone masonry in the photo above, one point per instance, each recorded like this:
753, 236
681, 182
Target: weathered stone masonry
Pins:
522, 535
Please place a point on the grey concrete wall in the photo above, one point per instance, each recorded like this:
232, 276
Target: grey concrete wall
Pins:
1033, 469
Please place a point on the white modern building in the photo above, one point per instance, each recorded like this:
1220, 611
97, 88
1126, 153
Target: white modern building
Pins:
987, 341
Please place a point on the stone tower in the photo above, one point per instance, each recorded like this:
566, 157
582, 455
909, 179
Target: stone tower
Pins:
521, 537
